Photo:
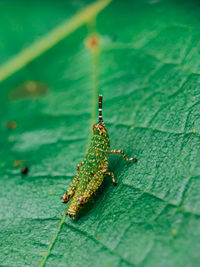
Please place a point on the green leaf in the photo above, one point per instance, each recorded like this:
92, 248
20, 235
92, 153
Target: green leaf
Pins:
146, 65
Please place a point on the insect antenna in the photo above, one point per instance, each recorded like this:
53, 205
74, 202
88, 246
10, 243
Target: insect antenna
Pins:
100, 109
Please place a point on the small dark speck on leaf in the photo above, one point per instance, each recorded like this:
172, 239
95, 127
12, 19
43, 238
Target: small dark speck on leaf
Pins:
18, 163
24, 170
92, 42
29, 89
98, 238
174, 232
11, 125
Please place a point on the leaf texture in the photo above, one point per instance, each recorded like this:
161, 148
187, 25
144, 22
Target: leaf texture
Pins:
146, 65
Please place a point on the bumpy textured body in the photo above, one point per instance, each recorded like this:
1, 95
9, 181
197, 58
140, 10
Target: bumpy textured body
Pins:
92, 170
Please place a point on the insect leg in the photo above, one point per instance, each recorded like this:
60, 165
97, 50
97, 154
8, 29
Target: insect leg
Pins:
122, 153
92, 187
71, 190
79, 165
113, 177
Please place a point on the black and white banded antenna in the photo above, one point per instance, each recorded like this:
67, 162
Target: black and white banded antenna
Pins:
100, 109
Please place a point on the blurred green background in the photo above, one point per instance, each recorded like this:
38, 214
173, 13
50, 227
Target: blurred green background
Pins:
56, 57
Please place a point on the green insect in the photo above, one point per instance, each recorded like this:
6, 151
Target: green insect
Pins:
92, 170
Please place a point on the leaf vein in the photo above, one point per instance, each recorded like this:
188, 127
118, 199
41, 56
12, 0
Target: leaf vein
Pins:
51, 39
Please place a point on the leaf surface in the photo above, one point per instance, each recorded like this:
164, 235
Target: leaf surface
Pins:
146, 65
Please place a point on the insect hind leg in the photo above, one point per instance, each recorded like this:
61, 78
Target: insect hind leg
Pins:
92, 187
71, 190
